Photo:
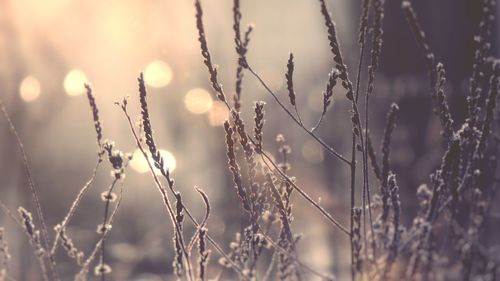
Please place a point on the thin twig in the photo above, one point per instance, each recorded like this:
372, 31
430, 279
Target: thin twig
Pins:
162, 190
328, 216
73, 207
328, 148
34, 192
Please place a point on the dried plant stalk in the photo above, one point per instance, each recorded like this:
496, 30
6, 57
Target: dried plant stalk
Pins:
389, 128
4, 255
436, 71
34, 193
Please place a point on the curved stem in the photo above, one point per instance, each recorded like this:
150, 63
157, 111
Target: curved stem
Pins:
190, 216
34, 192
73, 207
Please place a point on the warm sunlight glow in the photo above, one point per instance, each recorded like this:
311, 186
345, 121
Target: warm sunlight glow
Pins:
312, 152
74, 82
41, 11
140, 165
198, 101
29, 89
158, 74
218, 114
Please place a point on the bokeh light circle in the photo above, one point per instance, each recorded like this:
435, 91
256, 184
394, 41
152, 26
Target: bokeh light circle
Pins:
157, 74
198, 101
74, 82
140, 165
30, 89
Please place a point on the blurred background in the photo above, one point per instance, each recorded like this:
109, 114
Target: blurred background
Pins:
48, 49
